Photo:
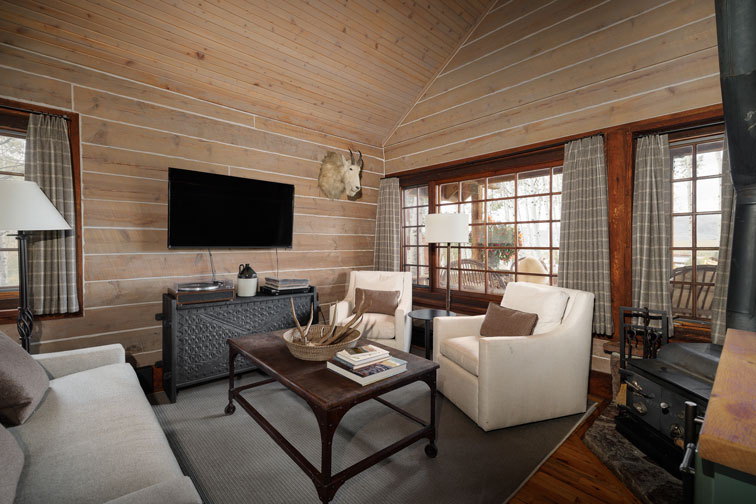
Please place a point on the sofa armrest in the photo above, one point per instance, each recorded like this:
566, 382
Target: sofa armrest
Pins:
402, 330
178, 490
72, 361
454, 327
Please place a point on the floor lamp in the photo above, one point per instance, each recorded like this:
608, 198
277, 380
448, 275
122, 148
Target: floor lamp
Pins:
23, 208
447, 228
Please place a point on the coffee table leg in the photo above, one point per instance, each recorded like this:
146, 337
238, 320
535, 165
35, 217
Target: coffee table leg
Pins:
231, 359
328, 421
427, 339
431, 450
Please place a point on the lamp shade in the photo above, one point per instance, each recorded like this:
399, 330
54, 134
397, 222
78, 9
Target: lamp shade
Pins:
24, 207
446, 228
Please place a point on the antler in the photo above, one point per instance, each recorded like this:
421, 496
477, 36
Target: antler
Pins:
294, 314
344, 329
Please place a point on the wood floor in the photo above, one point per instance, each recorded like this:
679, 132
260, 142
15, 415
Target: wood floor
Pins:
573, 473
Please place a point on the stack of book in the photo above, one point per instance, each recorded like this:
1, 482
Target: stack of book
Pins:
366, 364
285, 285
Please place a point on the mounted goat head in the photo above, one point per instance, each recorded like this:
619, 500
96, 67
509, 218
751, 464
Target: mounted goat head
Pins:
337, 175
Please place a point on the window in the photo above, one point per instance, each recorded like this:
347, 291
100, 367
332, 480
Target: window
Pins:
12, 151
514, 230
415, 247
696, 222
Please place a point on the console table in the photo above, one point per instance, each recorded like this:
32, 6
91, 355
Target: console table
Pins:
194, 335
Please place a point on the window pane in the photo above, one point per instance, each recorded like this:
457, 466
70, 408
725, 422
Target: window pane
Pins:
410, 255
422, 195
556, 228
422, 213
449, 193
12, 154
410, 236
453, 256
709, 195
682, 197
449, 208
557, 181
413, 270
534, 235
556, 207
501, 211
497, 283
682, 162
422, 255
501, 235
682, 231
709, 159
555, 262
421, 236
530, 209
501, 186
8, 241
423, 276
535, 182
533, 261
8, 269
501, 259
681, 259
706, 258
410, 197
473, 190
707, 230
476, 211
478, 236
682, 301
704, 296
410, 217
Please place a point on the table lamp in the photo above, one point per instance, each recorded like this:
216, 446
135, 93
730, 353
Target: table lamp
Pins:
23, 208
447, 228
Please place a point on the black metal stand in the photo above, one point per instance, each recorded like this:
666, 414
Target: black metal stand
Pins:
25, 319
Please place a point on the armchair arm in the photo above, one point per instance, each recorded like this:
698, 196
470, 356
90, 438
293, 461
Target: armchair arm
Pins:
454, 327
340, 311
72, 361
402, 330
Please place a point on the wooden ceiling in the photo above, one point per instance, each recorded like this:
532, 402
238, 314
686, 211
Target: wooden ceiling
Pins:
351, 68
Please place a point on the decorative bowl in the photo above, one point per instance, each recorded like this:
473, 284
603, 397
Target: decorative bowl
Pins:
318, 352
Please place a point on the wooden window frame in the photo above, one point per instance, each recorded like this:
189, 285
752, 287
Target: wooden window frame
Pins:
418, 246
14, 116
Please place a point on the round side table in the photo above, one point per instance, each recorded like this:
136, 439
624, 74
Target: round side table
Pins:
427, 316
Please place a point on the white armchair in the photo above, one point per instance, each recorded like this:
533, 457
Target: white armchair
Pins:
394, 331
511, 380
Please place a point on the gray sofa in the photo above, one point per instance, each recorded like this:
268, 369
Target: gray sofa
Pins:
95, 439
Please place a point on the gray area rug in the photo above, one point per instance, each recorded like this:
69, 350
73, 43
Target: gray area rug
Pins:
232, 460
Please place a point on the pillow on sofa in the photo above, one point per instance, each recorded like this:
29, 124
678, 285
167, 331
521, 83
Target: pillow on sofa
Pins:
23, 382
379, 301
548, 302
501, 321
12, 462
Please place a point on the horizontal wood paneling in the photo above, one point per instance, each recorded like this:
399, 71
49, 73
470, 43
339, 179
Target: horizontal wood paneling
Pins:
34, 88
534, 71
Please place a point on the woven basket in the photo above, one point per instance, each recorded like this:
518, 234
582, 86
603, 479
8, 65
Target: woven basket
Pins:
315, 352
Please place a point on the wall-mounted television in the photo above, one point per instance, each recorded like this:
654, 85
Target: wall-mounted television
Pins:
206, 210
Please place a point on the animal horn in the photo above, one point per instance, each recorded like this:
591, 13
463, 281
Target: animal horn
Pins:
351, 155
294, 314
360, 160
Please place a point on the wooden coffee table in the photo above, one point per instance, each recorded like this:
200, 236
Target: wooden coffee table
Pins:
330, 396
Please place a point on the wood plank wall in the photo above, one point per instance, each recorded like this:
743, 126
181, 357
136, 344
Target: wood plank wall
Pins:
130, 134
534, 71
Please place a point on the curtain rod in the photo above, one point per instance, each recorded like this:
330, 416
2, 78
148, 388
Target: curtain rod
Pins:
677, 130
30, 111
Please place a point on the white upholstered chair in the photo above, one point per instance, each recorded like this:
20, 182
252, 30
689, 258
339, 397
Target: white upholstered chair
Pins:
391, 330
510, 380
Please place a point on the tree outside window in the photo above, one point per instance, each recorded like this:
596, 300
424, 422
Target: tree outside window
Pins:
12, 153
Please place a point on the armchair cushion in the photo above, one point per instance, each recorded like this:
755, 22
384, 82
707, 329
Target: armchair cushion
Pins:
377, 301
377, 326
501, 321
463, 351
545, 301
23, 382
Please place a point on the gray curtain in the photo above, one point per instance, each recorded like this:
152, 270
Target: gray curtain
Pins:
719, 302
651, 225
584, 235
52, 254
388, 226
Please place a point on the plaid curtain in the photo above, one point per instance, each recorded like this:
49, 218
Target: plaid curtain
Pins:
584, 235
651, 225
722, 281
52, 254
388, 226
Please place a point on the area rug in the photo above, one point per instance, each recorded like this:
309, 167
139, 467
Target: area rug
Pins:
232, 460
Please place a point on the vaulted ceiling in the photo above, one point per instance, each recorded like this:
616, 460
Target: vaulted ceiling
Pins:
351, 68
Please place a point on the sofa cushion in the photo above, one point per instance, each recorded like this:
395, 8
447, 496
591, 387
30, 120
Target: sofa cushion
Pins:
547, 302
23, 382
11, 462
501, 321
377, 326
376, 301
463, 351
93, 439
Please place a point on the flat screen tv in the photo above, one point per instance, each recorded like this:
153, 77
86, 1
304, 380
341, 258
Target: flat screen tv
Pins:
206, 210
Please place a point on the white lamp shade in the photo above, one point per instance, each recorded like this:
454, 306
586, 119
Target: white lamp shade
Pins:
447, 228
24, 207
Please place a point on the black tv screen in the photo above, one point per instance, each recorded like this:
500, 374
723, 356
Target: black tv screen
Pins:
206, 210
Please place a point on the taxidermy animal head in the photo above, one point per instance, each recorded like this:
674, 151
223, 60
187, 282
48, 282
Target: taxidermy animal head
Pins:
337, 175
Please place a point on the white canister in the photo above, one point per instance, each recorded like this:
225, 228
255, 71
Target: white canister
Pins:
246, 282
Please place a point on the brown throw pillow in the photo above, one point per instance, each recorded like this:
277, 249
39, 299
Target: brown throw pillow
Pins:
23, 382
12, 462
500, 321
378, 301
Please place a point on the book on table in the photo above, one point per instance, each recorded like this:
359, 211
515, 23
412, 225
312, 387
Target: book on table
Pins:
362, 354
369, 374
